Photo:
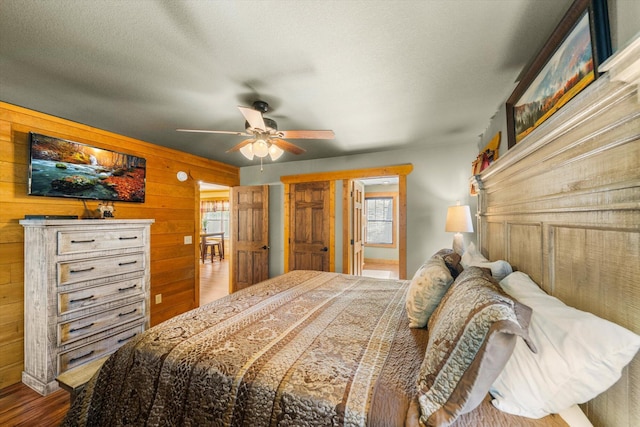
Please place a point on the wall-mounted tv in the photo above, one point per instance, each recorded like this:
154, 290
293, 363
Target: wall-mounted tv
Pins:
61, 168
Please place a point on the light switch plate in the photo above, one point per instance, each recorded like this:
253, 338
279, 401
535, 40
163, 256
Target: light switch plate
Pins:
188, 240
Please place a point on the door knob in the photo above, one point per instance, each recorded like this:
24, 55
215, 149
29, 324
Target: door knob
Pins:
265, 247
325, 249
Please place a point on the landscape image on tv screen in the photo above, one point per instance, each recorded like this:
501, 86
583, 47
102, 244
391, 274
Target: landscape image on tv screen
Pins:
61, 168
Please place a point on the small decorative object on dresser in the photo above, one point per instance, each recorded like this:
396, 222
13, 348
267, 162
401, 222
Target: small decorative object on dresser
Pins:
86, 292
106, 209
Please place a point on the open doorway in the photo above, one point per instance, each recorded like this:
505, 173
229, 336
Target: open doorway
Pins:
213, 242
379, 227
344, 239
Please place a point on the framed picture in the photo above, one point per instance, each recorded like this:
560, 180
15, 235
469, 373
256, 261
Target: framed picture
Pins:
567, 64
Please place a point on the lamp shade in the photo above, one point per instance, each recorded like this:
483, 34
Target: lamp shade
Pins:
275, 152
459, 219
260, 148
247, 151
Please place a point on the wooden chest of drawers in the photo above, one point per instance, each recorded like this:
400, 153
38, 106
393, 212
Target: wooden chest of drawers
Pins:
86, 292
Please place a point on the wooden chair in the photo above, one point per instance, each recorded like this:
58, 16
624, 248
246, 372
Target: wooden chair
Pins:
212, 244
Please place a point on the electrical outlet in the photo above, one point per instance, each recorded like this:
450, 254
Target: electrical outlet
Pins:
188, 240
158, 298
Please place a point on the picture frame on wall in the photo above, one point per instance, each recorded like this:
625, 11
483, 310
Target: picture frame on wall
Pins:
567, 64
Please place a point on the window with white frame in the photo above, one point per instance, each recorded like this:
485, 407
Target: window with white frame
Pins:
380, 219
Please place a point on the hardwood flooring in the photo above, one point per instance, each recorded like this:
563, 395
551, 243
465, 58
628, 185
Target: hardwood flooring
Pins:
21, 406
214, 280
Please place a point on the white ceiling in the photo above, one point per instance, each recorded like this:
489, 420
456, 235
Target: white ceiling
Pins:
381, 74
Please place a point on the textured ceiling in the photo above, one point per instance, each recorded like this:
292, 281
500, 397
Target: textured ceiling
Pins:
382, 74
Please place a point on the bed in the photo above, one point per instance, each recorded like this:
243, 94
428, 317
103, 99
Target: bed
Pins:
305, 348
562, 207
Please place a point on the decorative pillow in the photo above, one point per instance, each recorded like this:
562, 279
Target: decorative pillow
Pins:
499, 269
427, 287
472, 255
451, 260
579, 355
471, 336
472, 258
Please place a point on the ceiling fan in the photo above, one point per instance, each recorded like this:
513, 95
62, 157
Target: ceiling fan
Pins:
265, 138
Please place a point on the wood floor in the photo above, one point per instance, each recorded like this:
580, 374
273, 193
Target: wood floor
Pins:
214, 280
21, 406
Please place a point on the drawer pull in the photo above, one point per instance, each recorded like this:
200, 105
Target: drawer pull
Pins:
127, 288
81, 327
121, 340
127, 263
82, 299
83, 241
84, 356
82, 270
127, 313
128, 238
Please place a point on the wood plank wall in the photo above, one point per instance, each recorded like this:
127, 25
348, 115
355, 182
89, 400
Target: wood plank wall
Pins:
171, 203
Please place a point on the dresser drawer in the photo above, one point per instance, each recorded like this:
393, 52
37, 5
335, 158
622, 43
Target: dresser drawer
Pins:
97, 295
79, 328
96, 268
71, 242
95, 350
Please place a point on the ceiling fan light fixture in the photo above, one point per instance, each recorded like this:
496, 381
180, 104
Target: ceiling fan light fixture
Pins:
247, 151
262, 132
260, 147
275, 152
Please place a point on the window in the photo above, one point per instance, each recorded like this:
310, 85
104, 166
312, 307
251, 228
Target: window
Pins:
380, 215
215, 216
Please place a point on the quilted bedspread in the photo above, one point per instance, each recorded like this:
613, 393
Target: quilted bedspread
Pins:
304, 349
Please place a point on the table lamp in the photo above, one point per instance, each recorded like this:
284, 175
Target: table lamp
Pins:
459, 221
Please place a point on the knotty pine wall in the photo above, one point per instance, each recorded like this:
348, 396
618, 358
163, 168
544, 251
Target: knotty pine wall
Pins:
172, 204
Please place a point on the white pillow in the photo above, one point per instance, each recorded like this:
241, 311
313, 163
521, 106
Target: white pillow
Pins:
427, 288
579, 355
472, 258
472, 255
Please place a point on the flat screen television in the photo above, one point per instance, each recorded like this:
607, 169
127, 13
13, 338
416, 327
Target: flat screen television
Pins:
61, 168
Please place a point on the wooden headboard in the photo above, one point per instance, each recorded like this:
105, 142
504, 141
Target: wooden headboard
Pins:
563, 206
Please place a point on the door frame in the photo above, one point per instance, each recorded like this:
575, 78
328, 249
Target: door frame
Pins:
400, 170
196, 233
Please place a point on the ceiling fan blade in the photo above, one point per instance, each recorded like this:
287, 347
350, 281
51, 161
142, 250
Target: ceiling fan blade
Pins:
239, 146
308, 134
287, 146
254, 117
227, 132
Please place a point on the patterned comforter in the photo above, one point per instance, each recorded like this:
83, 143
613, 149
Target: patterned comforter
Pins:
306, 348
303, 349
